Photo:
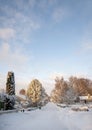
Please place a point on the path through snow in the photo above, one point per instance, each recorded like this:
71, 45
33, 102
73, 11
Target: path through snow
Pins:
49, 117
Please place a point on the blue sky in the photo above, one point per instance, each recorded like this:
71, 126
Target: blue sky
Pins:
45, 38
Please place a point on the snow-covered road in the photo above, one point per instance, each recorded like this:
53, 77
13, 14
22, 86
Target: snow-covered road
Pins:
49, 117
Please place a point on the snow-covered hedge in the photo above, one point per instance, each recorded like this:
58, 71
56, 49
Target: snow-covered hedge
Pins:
7, 101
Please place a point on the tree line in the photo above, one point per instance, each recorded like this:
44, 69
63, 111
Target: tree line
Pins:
64, 90
70, 90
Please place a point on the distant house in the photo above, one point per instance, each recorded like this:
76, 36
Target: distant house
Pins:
85, 98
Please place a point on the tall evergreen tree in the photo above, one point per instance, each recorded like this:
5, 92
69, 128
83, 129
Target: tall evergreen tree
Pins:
10, 84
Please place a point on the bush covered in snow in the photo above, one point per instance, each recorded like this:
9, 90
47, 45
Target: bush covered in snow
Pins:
7, 101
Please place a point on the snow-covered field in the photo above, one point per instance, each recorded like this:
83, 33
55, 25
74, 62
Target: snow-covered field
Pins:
50, 117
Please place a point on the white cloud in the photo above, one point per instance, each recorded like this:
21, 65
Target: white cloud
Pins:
87, 38
88, 46
59, 14
52, 2
32, 3
26, 21
7, 33
17, 22
14, 59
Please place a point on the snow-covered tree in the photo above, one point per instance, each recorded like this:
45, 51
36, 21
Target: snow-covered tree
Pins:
7, 101
70, 96
63, 92
10, 84
36, 93
60, 89
69, 91
81, 86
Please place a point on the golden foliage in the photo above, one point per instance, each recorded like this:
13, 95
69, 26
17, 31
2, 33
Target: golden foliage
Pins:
34, 91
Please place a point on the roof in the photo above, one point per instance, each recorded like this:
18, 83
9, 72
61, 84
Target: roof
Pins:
85, 97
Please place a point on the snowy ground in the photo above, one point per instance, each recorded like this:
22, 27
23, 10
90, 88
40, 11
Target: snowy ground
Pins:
49, 117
